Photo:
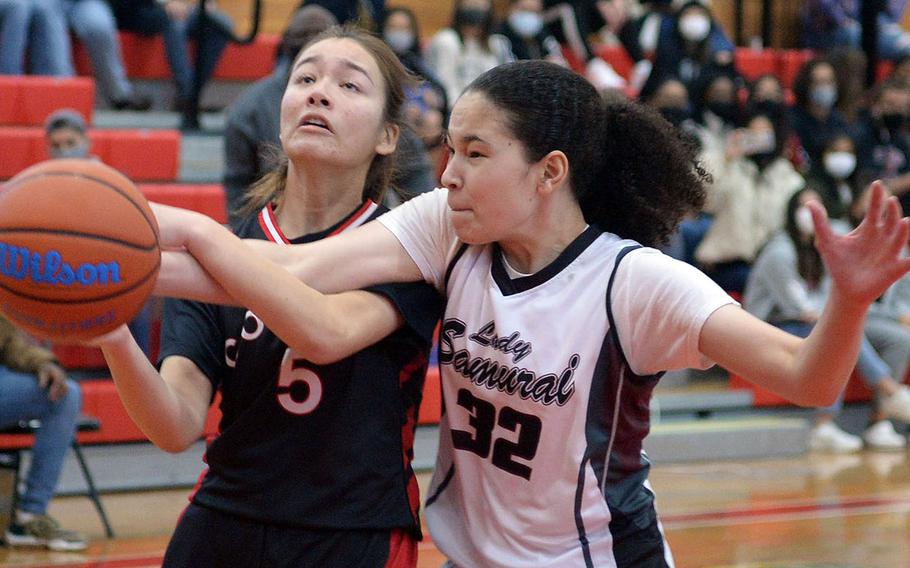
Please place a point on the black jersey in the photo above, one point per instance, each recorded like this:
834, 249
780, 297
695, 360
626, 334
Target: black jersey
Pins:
316, 446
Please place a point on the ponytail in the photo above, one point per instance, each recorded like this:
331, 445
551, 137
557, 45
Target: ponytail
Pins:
648, 177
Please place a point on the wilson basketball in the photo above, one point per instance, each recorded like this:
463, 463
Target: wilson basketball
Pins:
78, 249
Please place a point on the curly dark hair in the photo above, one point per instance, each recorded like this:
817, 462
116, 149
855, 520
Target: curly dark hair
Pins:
632, 172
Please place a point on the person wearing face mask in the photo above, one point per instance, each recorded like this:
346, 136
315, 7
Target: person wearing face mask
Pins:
462, 52
716, 111
788, 287
690, 44
834, 177
529, 39
752, 183
814, 116
882, 143
766, 94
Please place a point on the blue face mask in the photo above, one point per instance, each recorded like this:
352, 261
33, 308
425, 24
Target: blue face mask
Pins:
526, 24
823, 95
77, 151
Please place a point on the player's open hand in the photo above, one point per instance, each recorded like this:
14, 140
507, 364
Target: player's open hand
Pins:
866, 261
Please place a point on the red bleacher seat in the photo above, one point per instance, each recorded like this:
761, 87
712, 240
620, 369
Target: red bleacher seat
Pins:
789, 63
144, 58
753, 63
142, 155
29, 100
204, 198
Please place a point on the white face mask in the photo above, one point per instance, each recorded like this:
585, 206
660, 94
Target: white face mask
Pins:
399, 40
803, 220
695, 27
526, 24
840, 164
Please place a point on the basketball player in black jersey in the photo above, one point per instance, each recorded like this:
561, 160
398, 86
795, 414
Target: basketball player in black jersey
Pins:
311, 466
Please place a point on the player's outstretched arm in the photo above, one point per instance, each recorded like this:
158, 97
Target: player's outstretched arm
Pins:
170, 407
324, 328
813, 371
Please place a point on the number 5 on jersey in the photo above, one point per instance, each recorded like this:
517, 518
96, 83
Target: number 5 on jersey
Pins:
299, 388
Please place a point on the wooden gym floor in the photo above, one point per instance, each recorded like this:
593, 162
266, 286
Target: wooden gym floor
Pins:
808, 512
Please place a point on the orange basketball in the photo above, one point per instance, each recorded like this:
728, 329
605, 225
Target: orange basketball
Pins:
78, 249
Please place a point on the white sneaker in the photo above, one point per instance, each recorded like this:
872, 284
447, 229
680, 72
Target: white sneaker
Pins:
827, 437
881, 436
897, 406
602, 75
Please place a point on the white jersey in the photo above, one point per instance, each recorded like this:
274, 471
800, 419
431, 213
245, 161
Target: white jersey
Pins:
546, 401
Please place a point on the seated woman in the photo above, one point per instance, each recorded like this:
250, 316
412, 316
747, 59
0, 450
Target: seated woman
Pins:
752, 182
789, 287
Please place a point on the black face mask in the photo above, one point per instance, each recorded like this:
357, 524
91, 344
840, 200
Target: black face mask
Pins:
674, 115
772, 108
726, 111
471, 17
763, 159
893, 121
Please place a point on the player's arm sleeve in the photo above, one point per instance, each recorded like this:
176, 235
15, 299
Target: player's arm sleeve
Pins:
660, 305
419, 304
190, 329
423, 228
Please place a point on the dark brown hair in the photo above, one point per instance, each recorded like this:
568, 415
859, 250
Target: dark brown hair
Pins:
271, 186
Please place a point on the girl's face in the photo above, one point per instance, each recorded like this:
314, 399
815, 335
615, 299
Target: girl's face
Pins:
492, 186
333, 107
768, 89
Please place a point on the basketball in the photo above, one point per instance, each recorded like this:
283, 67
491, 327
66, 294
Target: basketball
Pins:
78, 249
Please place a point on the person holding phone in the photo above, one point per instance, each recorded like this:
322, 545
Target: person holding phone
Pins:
752, 183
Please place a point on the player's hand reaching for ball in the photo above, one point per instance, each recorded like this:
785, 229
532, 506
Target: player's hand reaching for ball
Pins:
868, 260
175, 225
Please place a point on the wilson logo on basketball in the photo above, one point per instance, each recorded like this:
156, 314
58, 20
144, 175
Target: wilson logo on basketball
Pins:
19, 263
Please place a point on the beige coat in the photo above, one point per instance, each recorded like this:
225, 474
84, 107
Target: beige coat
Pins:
748, 206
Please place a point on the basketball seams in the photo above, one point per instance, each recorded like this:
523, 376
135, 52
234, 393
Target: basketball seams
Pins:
153, 225
63, 233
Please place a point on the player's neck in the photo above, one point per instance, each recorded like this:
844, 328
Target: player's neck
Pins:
313, 203
543, 238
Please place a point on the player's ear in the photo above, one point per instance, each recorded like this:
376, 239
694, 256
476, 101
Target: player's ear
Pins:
554, 171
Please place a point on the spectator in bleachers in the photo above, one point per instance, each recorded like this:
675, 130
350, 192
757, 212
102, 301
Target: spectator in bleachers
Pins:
827, 24
93, 23
814, 116
752, 183
572, 22
251, 131
671, 98
177, 21
66, 136
883, 138
529, 39
766, 94
788, 287
14, 19
835, 176
460, 53
690, 44
716, 109
850, 70
427, 106
34, 386
900, 73
38, 29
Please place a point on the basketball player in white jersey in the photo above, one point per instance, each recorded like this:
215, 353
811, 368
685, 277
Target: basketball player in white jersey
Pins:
558, 322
